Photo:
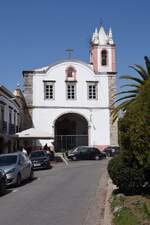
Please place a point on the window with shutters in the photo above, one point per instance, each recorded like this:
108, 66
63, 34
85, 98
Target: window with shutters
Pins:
92, 90
71, 90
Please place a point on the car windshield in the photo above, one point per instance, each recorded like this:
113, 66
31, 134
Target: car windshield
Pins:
38, 154
76, 150
8, 160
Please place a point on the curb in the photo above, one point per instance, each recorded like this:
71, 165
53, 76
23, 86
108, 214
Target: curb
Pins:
107, 211
96, 211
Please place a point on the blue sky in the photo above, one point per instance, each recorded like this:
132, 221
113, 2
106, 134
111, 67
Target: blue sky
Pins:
35, 33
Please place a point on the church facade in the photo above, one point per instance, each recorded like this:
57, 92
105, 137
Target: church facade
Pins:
72, 99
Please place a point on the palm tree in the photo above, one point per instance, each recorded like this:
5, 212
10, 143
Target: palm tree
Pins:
135, 88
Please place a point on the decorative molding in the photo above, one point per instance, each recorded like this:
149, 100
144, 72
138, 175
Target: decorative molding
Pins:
49, 81
106, 74
71, 81
92, 81
66, 107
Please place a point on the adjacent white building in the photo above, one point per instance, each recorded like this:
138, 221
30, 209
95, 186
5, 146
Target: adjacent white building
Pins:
72, 99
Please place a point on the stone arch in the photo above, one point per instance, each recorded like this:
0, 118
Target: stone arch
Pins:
71, 130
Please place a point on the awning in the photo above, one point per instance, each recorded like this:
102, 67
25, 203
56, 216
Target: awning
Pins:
32, 133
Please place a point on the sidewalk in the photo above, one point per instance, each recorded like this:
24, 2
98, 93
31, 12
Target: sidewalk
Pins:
99, 212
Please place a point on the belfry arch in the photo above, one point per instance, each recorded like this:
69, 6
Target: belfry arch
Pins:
71, 130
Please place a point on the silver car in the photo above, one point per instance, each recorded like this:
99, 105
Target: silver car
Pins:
17, 167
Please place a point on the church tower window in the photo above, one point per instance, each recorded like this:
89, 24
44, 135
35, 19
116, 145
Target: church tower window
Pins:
104, 57
48, 89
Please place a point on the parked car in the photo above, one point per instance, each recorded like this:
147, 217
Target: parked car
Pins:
3, 181
17, 167
40, 159
112, 150
86, 153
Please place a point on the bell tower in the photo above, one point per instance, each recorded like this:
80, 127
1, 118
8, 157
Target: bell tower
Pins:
103, 51
103, 60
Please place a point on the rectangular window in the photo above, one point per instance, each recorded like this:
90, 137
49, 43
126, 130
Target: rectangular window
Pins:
2, 112
92, 90
48, 90
15, 118
71, 90
10, 116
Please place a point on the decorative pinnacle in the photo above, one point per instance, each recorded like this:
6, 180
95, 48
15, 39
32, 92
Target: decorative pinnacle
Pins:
110, 32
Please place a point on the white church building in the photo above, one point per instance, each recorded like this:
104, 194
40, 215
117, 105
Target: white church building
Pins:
72, 99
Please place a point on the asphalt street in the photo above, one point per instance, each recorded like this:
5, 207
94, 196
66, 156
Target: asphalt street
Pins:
60, 196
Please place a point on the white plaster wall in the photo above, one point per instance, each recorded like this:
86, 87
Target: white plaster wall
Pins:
98, 121
96, 112
83, 74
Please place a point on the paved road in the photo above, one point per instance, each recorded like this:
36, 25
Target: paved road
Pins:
60, 196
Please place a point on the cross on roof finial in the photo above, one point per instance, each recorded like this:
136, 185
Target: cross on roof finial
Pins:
69, 50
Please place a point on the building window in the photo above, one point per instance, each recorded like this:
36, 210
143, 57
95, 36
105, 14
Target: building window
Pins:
49, 90
104, 57
2, 113
18, 122
15, 118
71, 90
92, 90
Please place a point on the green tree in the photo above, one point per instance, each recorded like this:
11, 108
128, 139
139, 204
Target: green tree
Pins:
130, 171
135, 129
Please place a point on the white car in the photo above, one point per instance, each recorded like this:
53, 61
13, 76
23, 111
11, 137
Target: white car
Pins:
17, 166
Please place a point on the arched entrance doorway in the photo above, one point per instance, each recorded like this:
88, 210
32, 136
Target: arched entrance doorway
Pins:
71, 130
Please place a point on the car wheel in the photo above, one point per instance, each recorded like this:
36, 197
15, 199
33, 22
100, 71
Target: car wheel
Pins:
18, 180
31, 175
48, 166
97, 157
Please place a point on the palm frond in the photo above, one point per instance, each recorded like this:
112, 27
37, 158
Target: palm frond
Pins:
125, 97
140, 70
130, 85
127, 77
126, 92
147, 62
